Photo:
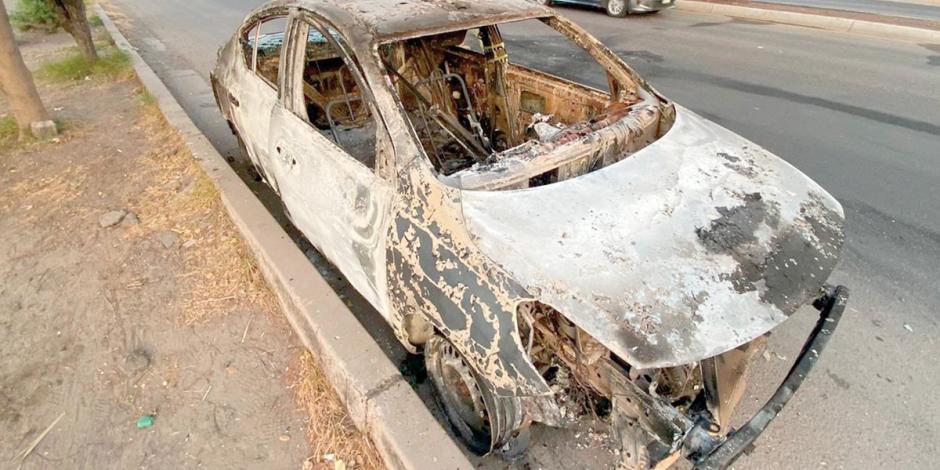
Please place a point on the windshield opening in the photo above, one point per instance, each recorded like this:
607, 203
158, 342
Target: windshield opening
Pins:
502, 98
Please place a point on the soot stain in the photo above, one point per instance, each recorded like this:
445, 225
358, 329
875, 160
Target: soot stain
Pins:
736, 226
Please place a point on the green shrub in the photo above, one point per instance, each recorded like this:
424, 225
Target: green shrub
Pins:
112, 65
9, 131
34, 14
147, 99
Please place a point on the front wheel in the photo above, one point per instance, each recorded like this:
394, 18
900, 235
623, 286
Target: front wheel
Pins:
617, 8
483, 420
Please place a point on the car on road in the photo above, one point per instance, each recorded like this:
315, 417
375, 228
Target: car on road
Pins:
618, 8
534, 237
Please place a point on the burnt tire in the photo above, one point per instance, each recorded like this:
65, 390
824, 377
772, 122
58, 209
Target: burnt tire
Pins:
484, 421
617, 8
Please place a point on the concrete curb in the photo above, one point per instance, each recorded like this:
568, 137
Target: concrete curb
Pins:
830, 23
379, 400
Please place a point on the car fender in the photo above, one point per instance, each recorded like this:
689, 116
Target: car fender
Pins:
435, 271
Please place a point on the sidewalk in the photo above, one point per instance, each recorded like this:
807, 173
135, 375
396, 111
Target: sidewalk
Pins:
857, 13
126, 292
876, 7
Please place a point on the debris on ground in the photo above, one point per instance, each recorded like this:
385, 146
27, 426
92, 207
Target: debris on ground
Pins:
168, 238
145, 421
130, 220
119, 325
29, 450
111, 218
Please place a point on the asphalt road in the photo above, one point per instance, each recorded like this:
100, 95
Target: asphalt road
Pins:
878, 7
860, 115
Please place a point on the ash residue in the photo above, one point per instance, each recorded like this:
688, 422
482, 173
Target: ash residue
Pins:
575, 400
745, 168
736, 226
793, 264
734, 233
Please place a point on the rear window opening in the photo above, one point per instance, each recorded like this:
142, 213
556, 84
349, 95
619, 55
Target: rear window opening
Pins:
502, 107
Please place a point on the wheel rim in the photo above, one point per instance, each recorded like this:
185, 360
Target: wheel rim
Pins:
616, 7
461, 397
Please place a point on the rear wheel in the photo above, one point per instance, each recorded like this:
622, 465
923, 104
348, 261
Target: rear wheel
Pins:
482, 419
617, 8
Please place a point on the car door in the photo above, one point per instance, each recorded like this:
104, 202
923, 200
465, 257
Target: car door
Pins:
255, 92
323, 139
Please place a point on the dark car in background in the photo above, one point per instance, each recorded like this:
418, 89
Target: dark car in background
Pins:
618, 8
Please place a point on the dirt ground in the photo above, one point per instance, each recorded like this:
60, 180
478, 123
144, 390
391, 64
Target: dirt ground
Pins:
158, 311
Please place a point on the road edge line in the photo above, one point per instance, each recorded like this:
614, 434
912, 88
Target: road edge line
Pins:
379, 400
829, 23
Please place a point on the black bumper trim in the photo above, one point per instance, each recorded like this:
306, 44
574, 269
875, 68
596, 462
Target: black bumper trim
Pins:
831, 305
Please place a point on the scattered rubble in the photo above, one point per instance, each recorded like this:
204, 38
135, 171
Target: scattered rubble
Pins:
130, 219
112, 218
168, 238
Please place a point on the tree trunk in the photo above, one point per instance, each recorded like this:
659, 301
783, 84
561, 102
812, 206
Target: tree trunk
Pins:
72, 17
16, 82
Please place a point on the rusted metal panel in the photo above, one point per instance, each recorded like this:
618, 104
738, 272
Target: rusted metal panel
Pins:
612, 233
694, 245
436, 271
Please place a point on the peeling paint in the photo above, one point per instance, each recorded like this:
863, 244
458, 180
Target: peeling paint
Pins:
627, 238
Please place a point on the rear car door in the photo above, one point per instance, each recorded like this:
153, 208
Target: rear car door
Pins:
324, 139
255, 92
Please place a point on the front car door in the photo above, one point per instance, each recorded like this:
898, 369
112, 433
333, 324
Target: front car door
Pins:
325, 135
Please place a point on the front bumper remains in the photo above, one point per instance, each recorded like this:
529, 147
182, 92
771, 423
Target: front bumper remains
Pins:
697, 440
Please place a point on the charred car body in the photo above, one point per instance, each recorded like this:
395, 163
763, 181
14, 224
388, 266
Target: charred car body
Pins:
508, 223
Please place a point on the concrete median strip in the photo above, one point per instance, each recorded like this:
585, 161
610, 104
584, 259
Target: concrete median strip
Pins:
830, 23
379, 400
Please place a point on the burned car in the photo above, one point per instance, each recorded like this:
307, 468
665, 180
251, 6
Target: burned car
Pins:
510, 224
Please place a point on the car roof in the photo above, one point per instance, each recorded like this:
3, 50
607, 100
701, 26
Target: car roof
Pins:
388, 20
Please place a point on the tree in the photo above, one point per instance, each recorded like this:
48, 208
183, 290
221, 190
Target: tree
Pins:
71, 16
16, 82
53, 14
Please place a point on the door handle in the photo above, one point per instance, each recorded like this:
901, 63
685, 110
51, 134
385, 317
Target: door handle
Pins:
232, 99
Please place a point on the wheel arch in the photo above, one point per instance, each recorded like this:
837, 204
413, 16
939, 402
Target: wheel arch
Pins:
435, 271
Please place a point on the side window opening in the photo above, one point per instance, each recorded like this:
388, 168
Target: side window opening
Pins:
334, 102
248, 45
537, 46
267, 40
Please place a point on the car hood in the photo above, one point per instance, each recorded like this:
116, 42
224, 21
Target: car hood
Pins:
692, 246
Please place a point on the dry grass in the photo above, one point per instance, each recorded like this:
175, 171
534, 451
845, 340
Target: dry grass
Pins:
332, 435
219, 273
48, 195
117, 17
